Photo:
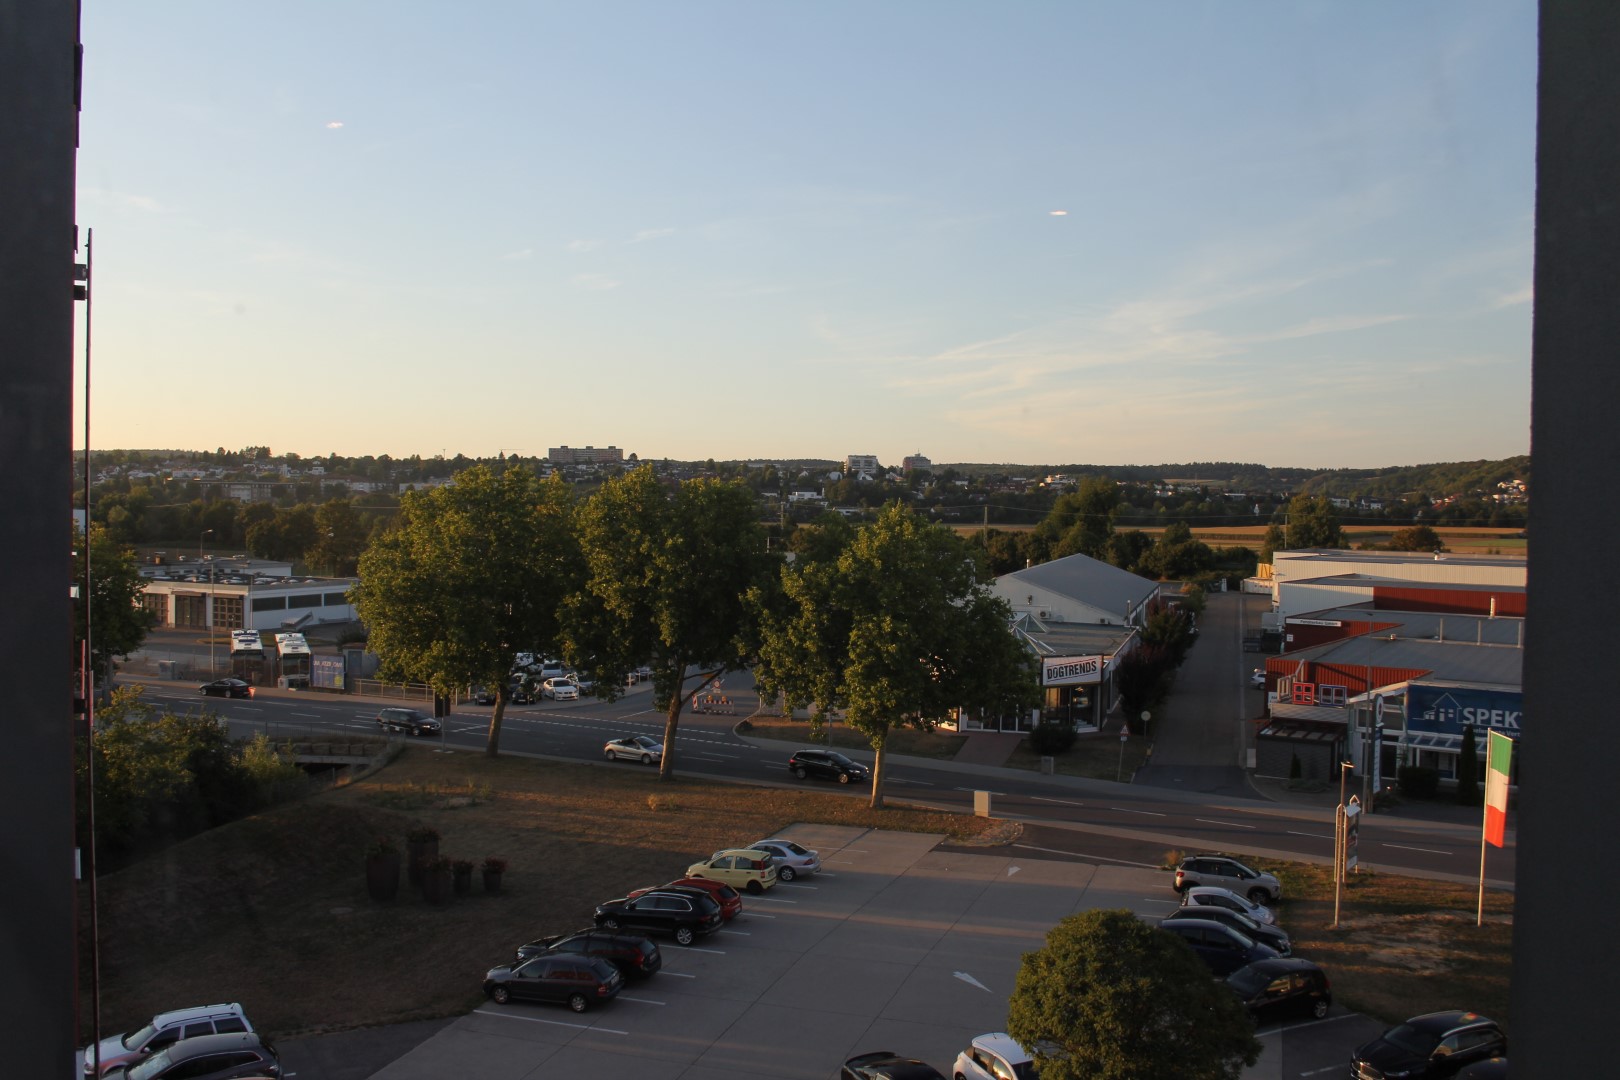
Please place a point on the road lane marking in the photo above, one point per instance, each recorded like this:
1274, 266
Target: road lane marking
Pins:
1229, 824
1148, 813
772, 900
676, 974
1403, 847
1300, 1027
739, 933
310, 715
694, 948
556, 1023
1065, 802
1003, 794
1317, 836
902, 780
1083, 855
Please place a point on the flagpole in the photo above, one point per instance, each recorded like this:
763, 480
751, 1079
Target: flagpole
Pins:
1479, 918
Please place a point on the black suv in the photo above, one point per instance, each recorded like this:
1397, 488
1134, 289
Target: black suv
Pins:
1282, 987
682, 915
630, 953
577, 981
1434, 1044
826, 765
1265, 935
1221, 948
410, 721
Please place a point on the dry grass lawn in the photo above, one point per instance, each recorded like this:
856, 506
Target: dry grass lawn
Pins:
1096, 756
272, 911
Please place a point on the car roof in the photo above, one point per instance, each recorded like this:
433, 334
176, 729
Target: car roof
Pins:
1200, 924
186, 1049
1212, 890
1279, 964
1442, 1022
197, 1012
739, 851
1002, 1045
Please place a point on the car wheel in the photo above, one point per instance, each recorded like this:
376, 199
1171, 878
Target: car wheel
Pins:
1319, 1009
577, 1002
755, 888
683, 935
843, 778
611, 756
500, 995
1259, 896
799, 771
609, 924
646, 759
787, 873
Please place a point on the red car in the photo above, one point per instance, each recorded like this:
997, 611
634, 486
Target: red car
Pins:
729, 899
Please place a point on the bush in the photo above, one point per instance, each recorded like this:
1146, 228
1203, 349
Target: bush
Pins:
1419, 782
422, 834
1295, 769
494, 864
1049, 739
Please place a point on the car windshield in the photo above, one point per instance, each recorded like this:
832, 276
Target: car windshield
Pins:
1241, 938
1248, 981
791, 846
1411, 1040
138, 1038
150, 1067
839, 759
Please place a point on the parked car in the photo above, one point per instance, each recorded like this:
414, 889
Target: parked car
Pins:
683, 915
409, 721
1257, 678
1228, 873
1226, 898
166, 1028
583, 683
1287, 986
887, 1065
484, 696
632, 954
826, 765
729, 899
642, 748
741, 868
792, 860
226, 688
552, 669
1264, 934
1434, 1044
521, 695
1222, 949
207, 1057
996, 1056
577, 981
559, 689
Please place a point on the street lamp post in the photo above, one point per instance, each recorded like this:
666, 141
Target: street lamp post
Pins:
1339, 840
208, 611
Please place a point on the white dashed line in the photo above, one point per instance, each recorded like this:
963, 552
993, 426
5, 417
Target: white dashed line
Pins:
1228, 824
1317, 836
1065, 802
556, 1023
641, 1001
1145, 813
1403, 847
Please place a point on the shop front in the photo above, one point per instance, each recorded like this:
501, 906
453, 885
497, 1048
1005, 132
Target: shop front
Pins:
1071, 689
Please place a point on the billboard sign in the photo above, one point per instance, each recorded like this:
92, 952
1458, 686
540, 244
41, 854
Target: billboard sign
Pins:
1446, 710
1069, 670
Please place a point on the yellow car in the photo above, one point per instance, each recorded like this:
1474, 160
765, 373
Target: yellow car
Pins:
741, 868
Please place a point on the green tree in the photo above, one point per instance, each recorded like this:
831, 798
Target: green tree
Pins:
1274, 540
1312, 523
1082, 521
118, 623
899, 630
1142, 678
340, 536
472, 573
1109, 997
1416, 538
666, 580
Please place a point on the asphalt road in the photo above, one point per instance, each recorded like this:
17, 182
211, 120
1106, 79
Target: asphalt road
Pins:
1142, 821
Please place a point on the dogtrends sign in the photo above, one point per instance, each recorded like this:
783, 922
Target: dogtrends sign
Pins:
1071, 670
1446, 710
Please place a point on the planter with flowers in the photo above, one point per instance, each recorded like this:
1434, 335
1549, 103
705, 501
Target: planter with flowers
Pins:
461, 875
494, 867
422, 845
382, 870
436, 880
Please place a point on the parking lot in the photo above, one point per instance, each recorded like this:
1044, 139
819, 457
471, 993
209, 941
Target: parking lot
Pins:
894, 946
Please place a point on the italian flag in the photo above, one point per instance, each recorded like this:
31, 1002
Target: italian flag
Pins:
1498, 759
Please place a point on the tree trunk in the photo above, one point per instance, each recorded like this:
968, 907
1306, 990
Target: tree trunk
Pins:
877, 772
494, 747
672, 722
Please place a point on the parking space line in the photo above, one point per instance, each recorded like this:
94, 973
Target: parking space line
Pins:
1144, 813
694, 948
792, 885
739, 933
1300, 1027
558, 1023
1083, 855
641, 1001
772, 900
1065, 802
678, 975
756, 915
1317, 836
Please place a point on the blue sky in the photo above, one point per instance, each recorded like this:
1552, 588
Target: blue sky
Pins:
1294, 233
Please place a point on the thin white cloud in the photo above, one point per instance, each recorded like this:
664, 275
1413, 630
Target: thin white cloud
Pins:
1525, 295
124, 200
596, 282
581, 246
333, 125
522, 255
649, 234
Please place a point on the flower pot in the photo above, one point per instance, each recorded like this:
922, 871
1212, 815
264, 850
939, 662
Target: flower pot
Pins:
435, 886
421, 853
492, 880
382, 877
462, 881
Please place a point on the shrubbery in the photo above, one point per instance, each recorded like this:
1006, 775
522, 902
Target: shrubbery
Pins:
1419, 782
1049, 739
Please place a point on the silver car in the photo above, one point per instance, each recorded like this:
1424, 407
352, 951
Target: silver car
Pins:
792, 860
1226, 898
1228, 873
642, 748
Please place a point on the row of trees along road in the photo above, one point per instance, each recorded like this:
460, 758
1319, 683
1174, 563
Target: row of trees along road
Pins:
889, 623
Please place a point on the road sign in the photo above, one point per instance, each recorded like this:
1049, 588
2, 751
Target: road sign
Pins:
1352, 827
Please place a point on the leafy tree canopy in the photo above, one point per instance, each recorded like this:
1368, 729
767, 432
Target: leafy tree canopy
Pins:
1312, 523
1110, 997
118, 623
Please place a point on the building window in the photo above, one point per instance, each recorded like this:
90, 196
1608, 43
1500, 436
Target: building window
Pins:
1328, 694
228, 612
269, 603
308, 600
158, 605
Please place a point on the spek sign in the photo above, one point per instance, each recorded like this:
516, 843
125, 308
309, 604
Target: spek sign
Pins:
1069, 670
1446, 710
